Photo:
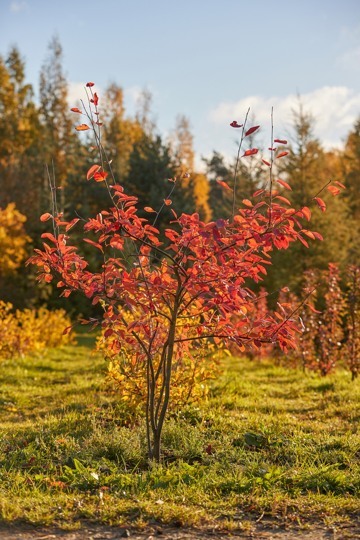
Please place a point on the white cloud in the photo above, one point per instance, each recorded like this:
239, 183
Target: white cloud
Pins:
334, 108
16, 6
76, 93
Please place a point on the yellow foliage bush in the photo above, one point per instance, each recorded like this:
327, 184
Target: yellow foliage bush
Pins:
190, 374
30, 330
13, 239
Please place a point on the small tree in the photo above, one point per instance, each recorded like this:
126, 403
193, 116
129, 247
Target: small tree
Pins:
162, 299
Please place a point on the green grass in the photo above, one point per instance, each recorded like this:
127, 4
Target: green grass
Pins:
269, 441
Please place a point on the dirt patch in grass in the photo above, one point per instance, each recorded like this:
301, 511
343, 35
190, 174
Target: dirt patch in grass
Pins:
264, 530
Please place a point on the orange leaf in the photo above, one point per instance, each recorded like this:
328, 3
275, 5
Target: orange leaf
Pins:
333, 190
306, 212
75, 109
95, 244
340, 184
247, 202
251, 130
100, 176
167, 202
310, 234
318, 235
93, 169
82, 127
45, 217
284, 184
283, 199
320, 203
312, 308
224, 185
303, 241
149, 209
282, 154
250, 152
71, 224
49, 236
266, 162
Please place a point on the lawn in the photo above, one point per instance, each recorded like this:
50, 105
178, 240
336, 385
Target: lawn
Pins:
269, 442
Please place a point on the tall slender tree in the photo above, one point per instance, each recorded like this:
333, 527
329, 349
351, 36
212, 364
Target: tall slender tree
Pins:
308, 169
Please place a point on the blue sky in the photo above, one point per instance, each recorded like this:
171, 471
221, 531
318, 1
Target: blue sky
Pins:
207, 59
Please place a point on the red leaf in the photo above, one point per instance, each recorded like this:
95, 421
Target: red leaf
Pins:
234, 124
283, 199
100, 176
250, 152
108, 332
310, 234
333, 190
95, 244
247, 202
93, 169
303, 241
49, 236
306, 212
45, 217
72, 223
67, 330
340, 184
149, 209
266, 162
75, 109
82, 127
320, 203
167, 202
284, 184
95, 99
312, 308
318, 235
280, 141
89, 84
282, 154
251, 130
224, 185
258, 192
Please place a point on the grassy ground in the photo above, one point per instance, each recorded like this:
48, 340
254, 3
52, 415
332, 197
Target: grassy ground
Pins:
270, 442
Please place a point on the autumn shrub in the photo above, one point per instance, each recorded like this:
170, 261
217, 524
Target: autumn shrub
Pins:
191, 373
30, 330
181, 286
352, 346
13, 239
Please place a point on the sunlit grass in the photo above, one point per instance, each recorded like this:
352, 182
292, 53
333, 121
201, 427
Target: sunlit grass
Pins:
269, 440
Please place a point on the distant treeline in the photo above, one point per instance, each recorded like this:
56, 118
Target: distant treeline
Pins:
38, 140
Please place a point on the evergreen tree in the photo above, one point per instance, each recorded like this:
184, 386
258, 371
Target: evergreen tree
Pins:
308, 168
60, 143
351, 178
19, 139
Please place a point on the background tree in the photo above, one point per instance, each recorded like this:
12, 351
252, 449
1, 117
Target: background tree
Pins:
19, 139
308, 168
194, 186
60, 144
351, 175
